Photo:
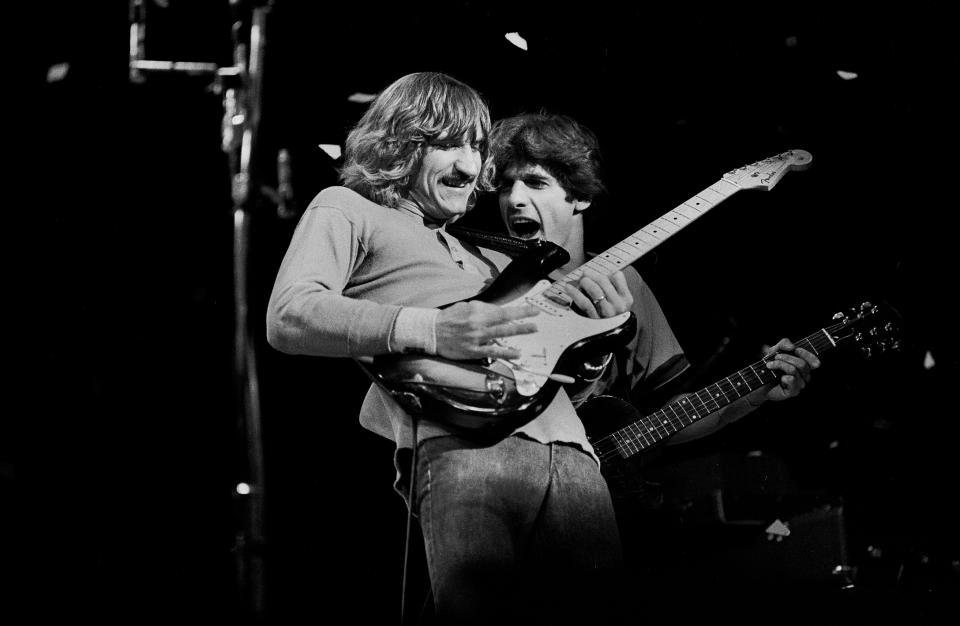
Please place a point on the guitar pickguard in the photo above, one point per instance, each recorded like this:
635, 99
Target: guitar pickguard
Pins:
558, 328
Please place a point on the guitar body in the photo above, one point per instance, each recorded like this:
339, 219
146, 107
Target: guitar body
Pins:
603, 415
493, 399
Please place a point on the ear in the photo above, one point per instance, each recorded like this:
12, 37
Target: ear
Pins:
580, 206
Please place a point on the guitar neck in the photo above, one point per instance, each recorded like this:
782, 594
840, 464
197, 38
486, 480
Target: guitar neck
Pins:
689, 409
650, 236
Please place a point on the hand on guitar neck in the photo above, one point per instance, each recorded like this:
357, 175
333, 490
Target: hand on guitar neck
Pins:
597, 295
794, 365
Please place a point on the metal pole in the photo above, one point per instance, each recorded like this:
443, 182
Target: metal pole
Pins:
240, 85
249, 548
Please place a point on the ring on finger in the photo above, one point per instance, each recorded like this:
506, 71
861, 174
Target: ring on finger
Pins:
597, 301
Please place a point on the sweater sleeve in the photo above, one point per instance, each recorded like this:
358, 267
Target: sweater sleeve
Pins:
307, 312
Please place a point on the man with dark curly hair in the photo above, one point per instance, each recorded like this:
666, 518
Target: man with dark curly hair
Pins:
547, 172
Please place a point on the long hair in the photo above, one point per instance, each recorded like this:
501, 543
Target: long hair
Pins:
569, 151
384, 149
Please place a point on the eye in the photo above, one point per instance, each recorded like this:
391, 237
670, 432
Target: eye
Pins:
444, 144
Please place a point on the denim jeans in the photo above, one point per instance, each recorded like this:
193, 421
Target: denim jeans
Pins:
516, 530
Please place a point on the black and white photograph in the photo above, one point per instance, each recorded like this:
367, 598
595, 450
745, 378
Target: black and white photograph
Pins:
447, 313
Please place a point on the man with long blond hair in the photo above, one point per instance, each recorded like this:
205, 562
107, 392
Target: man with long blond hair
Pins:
512, 526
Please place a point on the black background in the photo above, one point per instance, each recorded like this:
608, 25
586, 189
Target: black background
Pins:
134, 424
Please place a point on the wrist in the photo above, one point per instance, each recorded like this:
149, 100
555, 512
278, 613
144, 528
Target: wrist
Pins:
414, 330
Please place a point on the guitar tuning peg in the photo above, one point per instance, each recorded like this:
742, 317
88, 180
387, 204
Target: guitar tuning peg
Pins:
888, 327
858, 337
866, 306
838, 315
865, 350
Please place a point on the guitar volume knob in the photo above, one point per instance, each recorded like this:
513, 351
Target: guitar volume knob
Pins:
496, 387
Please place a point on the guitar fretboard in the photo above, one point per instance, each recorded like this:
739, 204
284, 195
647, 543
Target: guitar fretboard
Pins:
681, 413
649, 237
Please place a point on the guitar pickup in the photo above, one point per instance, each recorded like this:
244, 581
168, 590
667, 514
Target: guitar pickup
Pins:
559, 298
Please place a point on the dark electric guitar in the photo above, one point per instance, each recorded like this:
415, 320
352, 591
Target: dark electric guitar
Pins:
871, 329
493, 398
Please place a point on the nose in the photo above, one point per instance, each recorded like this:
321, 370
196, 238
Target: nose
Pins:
468, 160
516, 195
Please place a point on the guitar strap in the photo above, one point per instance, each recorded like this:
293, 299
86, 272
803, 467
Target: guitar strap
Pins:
511, 246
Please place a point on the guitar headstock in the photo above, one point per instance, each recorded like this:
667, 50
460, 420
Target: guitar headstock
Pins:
871, 328
768, 172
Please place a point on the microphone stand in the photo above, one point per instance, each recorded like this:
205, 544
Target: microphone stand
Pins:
241, 87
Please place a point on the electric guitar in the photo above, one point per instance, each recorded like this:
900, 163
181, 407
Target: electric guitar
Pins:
493, 398
872, 329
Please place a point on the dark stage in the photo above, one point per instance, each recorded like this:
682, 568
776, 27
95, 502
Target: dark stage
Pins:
136, 441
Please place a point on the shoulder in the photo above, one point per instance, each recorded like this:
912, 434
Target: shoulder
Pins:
343, 204
344, 199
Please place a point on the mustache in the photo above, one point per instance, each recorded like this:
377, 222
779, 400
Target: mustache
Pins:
457, 178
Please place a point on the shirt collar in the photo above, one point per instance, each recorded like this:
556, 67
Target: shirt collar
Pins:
411, 207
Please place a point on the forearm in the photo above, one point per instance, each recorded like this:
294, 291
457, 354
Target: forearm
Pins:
723, 417
324, 323
745, 405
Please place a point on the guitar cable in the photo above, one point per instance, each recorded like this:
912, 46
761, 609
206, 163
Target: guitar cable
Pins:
410, 504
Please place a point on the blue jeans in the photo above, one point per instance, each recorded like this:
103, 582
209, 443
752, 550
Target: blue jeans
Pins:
515, 530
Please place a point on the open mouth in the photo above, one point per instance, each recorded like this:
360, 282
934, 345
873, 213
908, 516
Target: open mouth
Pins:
525, 228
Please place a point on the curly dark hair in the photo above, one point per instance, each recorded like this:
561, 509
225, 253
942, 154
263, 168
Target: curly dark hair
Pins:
567, 150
